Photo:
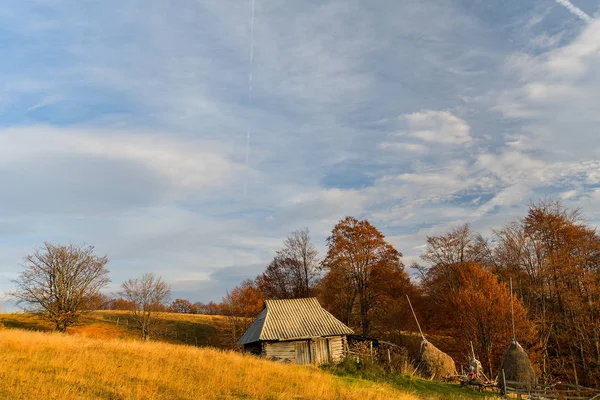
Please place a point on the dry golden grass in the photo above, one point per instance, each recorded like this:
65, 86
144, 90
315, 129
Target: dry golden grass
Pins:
37, 365
201, 330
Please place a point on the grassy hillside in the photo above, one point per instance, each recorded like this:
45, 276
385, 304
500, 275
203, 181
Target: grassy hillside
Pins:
101, 354
53, 366
201, 330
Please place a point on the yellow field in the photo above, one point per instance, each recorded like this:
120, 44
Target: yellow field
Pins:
192, 329
39, 365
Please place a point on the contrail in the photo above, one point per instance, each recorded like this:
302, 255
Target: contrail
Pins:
247, 153
250, 62
575, 10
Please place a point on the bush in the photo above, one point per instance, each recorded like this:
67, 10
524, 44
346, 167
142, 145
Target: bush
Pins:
374, 364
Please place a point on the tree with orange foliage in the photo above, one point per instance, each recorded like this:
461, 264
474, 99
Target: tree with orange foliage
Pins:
120, 304
243, 303
554, 257
480, 311
363, 273
182, 306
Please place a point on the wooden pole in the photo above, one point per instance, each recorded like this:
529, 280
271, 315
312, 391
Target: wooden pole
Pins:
415, 315
512, 310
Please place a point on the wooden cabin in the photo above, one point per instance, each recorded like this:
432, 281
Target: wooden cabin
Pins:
298, 331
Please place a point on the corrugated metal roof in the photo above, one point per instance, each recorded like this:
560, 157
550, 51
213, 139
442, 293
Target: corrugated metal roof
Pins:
293, 319
252, 334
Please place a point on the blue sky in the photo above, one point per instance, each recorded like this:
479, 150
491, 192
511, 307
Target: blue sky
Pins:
124, 125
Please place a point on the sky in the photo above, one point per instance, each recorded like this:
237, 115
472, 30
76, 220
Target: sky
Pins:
190, 138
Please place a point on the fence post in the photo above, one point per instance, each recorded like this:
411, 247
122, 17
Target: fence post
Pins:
503, 389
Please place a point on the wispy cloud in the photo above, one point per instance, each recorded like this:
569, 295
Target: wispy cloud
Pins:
134, 123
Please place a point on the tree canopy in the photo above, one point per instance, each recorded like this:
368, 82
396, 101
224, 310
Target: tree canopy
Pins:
62, 282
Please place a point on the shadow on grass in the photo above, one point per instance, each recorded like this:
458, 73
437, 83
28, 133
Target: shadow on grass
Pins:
28, 322
176, 331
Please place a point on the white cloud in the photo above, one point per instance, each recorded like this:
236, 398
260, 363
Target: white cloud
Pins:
553, 97
186, 163
569, 194
170, 195
438, 127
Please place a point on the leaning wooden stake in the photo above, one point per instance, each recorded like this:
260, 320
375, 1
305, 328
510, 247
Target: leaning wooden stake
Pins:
512, 310
415, 315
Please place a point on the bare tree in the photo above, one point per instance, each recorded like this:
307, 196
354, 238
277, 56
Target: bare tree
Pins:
145, 295
294, 270
61, 281
458, 246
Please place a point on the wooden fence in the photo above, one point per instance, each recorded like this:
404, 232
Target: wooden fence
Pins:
556, 391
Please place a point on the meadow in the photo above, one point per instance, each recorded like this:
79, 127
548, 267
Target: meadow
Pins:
102, 357
55, 366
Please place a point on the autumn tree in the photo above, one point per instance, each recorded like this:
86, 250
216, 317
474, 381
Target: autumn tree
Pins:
554, 258
294, 269
240, 305
99, 301
363, 272
120, 304
210, 308
480, 310
146, 295
444, 254
61, 281
182, 306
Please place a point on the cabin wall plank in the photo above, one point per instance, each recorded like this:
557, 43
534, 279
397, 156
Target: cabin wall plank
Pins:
284, 351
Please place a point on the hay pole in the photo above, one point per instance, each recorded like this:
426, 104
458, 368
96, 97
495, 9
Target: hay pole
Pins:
415, 315
512, 310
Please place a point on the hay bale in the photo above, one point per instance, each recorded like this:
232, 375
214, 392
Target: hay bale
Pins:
516, 366
434, 363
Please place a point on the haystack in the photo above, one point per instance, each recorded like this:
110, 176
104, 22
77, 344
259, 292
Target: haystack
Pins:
516, 366
434, 363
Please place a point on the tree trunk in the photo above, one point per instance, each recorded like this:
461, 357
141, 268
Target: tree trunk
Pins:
364, 317
61, 327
